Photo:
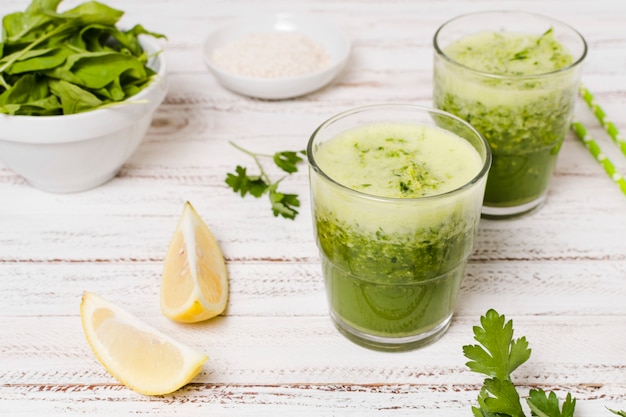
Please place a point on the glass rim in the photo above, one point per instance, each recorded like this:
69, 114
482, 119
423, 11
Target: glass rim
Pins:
486, 163
569, 67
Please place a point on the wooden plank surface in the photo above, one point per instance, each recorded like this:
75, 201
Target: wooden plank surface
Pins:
560, 273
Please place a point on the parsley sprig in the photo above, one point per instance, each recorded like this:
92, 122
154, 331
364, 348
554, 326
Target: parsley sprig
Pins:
258, 185
497, 356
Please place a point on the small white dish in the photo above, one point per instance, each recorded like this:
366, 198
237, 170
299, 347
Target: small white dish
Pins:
323, 33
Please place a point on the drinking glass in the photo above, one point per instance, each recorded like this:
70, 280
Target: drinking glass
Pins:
523, 112
393, 266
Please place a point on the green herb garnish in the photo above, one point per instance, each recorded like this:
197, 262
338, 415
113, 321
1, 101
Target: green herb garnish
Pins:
257, 185
521, 54
55, 63
497, 356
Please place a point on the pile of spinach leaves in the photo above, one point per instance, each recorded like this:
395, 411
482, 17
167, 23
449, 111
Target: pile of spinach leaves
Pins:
54, 63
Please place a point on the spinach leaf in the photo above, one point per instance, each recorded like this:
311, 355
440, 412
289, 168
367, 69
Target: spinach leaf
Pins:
30, 95
73, 98
24, 26
38, 59
73, 61
97, 69
113, 91
48, 106
93, 12
26, 89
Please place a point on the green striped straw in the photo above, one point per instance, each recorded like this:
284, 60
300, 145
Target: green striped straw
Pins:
597, 153
608, 125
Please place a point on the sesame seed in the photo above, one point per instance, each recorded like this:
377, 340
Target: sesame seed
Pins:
272, 55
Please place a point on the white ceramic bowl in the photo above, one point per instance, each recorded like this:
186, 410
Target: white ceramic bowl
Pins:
319, 30
71, 153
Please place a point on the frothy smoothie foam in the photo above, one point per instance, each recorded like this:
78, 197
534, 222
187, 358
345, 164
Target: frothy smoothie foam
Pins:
399, 161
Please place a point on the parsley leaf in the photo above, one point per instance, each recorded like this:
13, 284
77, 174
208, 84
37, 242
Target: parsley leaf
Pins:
497, 356
503, 401
287, 160
241, 182
244, 184
283, 204
501, 354
543, 405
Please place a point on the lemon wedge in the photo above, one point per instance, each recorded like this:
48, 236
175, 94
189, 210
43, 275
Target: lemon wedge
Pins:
194, 286
135, 353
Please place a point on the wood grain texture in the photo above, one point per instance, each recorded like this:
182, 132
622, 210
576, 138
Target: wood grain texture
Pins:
560, 273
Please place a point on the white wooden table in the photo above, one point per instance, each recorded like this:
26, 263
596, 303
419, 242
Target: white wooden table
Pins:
560, 273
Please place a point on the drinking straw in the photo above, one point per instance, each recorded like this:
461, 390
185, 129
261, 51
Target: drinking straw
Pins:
600, 114
597, 153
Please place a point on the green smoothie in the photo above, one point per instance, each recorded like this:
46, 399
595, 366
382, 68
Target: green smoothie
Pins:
393, 235
511, 88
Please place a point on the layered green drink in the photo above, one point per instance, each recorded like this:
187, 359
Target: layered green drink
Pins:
396, 195
514, 77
